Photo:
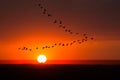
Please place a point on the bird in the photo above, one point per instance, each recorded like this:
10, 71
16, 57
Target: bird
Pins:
26, 48
46, 47
63, 44
52, 46
71, 32
71, 43
19, 48
49, 15
59, 44
30, 49
63, 27
23, 48
84, 34
41, 7
36, 47
60, 22
67, 44
45, 10
86, 37
55, 44
74, 41
83, 40
79, 42
43, 47
77, 33
39, 4
55, 21
66, 30
92, 38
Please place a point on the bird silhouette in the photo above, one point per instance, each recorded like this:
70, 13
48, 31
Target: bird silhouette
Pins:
71, 43
52, 46
26, 48
49, 15
59, 44
92, 38
66, 30
39, 4
30, 49
36, 47
45, 10
41, 7
79, 42
55, 44
63, 27
77, 33
67, 44
43, 47
55, 21
19, 48
83, 40
60, 22
63, 44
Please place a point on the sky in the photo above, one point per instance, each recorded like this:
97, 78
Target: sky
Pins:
23, 24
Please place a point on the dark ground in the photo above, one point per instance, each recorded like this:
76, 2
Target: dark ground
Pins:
59, 72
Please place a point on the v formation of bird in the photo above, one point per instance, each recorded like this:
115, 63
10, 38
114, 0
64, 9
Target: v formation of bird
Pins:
60, 25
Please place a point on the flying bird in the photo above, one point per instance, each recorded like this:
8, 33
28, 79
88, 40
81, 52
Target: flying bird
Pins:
26, 48
55, 21
71, 43
71, 32
77, 33
59, 44
83, 40
84, 34
92, 38
30, 49
49, 15
79, 42
39, 4
63, 44
67, 44
46, 47
43, 47
19, 48
52, 46
66, 30
60, 22
36, 47
63, 27
45, 10
41, 7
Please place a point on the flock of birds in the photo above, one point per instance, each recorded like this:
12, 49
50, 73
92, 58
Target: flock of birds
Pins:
56, 21
60, 25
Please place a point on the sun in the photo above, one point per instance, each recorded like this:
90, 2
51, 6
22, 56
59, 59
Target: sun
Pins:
41, 59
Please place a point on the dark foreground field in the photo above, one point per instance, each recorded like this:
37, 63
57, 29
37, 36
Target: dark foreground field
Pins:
58, 72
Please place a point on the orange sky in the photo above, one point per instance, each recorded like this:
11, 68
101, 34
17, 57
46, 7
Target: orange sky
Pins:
22, 24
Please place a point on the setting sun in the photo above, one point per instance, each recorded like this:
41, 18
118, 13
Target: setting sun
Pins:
41, 59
